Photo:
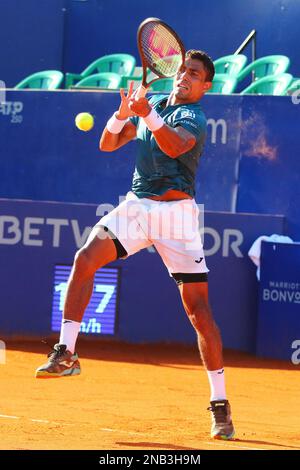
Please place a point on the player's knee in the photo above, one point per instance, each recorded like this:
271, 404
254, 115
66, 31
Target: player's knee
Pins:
201, 317
83, 263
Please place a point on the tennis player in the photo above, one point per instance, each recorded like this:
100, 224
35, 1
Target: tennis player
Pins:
170, 132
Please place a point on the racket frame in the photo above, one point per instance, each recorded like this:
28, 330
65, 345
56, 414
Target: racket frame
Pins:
145, 64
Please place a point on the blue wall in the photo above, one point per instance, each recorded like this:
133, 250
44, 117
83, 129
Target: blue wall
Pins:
250, 160
269, 172
31, 38
218, 26
48, 158
69, 34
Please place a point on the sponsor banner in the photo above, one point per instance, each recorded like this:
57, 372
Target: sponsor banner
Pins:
137, 301
279, 301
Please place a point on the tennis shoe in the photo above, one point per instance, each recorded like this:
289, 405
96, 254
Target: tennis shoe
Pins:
61, 363
222, 427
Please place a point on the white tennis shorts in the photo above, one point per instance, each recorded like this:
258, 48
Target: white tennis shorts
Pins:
172, 227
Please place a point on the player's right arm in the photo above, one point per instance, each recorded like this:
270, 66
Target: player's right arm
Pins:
111, 141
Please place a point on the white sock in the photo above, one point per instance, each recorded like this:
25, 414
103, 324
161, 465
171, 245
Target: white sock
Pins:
217, 384
68, 333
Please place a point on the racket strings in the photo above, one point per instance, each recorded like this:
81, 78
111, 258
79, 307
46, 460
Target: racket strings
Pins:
161, 49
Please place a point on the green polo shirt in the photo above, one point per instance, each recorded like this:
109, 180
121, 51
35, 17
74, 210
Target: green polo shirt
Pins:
155, 172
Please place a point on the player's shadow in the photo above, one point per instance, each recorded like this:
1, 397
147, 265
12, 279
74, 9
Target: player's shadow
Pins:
153, 363
163, 355
275, 444
154, 445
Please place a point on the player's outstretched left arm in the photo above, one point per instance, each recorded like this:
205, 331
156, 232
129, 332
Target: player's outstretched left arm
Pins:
172, 141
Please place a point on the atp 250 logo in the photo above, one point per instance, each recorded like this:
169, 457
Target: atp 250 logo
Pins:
11, 109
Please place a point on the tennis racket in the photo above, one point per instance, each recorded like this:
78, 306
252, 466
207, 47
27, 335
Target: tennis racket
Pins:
161, 51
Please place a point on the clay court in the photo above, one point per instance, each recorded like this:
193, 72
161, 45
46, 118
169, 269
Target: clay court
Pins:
144, 397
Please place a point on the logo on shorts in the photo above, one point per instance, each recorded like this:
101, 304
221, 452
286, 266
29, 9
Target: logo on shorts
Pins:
198, 260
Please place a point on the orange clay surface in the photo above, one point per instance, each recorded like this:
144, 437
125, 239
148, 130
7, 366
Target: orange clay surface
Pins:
144, 397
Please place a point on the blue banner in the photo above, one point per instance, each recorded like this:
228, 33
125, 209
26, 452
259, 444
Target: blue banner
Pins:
269, 168
48, 158
38, 238
249, 163
279, 302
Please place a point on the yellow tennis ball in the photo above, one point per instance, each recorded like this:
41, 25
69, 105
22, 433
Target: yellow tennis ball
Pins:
84, 121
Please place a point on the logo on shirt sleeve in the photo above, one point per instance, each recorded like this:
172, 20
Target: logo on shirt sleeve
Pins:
187, 113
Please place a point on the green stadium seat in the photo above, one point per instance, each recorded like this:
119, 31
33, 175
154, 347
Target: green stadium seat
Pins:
230, 64
271, 85
136, 76
165, 85
108, 80
45, 80
122, 64
268, 65
223, 83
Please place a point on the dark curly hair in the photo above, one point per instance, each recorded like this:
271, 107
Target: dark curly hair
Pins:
205, 59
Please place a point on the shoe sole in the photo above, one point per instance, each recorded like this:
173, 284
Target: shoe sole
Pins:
223, 437
48, 375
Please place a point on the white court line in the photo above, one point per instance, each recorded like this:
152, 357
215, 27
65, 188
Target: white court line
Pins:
126, 432
40, 421
9, 417
45, 421
132, 433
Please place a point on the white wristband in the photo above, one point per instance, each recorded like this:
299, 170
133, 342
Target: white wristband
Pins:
153, 121
115, 125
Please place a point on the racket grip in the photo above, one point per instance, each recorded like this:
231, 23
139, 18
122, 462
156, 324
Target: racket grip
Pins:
140, 92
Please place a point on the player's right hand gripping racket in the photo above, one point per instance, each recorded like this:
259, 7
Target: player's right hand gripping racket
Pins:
161, 50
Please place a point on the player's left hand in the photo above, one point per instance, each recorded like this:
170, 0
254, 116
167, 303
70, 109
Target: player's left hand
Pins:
140, 107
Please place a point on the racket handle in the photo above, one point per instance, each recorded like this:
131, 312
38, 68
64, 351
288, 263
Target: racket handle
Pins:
140, 92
